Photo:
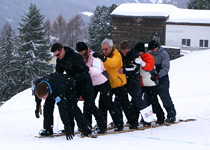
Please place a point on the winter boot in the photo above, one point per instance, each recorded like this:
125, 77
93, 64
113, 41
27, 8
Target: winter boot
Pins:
90, 133
46, 132
118, 129
171, 119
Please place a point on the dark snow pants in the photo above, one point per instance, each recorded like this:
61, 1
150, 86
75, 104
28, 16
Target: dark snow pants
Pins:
85, 89
106, 103
69, 111
151, 99
48, 113
163, 92
123, 103
135, 90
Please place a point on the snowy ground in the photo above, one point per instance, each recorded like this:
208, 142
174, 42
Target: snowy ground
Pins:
190, 79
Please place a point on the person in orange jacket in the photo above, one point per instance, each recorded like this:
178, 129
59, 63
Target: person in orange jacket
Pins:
147, 72
113, 63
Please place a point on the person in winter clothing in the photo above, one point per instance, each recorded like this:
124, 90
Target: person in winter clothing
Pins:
72, 63
100, 80
113, 63
162, 64
147, 71
59, 88
131, 69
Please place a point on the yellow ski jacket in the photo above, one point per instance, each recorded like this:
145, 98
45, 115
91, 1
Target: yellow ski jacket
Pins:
113, 64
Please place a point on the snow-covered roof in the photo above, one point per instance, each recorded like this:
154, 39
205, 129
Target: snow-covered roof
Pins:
139, 9
176, 15
190, 16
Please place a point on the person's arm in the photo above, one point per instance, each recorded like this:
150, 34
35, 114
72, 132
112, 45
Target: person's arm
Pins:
95, 69
58, 67
38, 110
165, 64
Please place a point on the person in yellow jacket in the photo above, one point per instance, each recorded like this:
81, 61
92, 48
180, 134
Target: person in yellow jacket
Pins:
113, 63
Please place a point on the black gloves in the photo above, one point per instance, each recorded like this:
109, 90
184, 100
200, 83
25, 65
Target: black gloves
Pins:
154, 77
98, 55
37, 113
69, 132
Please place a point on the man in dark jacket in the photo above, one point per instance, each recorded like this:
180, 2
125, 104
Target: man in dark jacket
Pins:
74, 66
131, 69
162, 64
60, 88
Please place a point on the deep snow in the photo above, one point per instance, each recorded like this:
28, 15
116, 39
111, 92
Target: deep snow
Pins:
190, 79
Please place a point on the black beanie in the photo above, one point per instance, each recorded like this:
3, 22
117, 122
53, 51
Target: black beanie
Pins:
153, 44
139, 47
81, 46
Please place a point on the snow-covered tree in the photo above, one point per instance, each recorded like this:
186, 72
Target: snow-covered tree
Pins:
100, 26
8, 57
34, 54
199, 4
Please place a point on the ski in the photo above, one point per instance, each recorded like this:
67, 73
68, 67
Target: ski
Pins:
142, 127
110, 130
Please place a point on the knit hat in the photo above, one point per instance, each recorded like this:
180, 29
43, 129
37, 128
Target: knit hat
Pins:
153, 44
139, 47
81, 46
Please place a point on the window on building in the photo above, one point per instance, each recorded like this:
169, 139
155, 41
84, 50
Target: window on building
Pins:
204, 43
185, 42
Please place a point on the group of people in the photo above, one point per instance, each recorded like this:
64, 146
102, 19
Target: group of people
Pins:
121, 73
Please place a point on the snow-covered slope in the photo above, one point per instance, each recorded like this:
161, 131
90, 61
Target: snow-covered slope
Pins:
189, 76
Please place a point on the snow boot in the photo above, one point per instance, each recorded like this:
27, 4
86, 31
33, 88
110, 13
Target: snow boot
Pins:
46, 132
91, 134
171, 119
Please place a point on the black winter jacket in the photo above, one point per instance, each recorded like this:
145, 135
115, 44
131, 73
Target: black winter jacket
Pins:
130, 68
60, 86
73, 64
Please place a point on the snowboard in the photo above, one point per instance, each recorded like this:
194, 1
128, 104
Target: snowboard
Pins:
110, 130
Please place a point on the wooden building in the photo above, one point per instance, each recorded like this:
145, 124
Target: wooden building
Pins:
169, 25
139, 22
135, 29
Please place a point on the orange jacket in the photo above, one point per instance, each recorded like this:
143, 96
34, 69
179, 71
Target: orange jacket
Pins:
146, 71
149, 60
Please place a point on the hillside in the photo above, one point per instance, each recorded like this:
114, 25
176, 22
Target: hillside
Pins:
189, 89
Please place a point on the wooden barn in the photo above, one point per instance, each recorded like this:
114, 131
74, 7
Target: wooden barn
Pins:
139, 22
169, 25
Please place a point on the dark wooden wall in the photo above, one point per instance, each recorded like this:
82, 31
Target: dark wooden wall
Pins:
135, 29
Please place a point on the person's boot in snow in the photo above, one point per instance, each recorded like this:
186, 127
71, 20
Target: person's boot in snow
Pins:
46, 132
171, 120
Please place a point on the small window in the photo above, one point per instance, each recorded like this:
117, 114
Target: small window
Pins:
204, 43
185, 42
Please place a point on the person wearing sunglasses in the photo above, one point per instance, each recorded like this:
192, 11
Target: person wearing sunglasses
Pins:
73, 64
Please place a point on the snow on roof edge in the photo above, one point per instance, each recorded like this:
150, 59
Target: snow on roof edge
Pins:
174, 14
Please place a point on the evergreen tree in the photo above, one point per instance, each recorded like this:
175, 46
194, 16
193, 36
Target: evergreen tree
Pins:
34, 54
199, 4
100, 26
7, 62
